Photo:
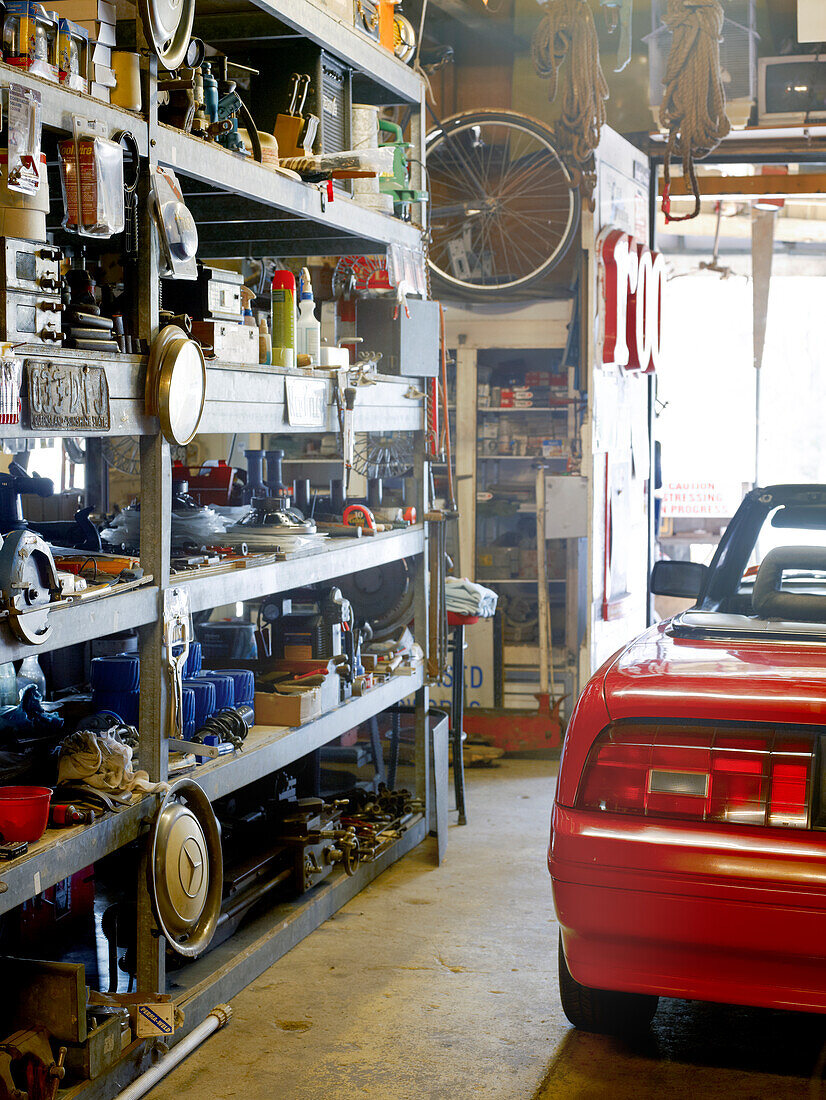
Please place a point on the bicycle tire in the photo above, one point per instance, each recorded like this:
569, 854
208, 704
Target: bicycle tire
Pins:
543, 179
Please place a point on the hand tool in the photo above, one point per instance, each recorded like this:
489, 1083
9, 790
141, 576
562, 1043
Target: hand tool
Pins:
177, 636
311, 123
288, 127
68, 814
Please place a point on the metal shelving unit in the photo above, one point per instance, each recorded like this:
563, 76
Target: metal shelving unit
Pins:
487, 339
242, 209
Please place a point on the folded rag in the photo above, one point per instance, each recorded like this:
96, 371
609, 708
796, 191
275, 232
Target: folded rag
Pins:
466, 598
102, 761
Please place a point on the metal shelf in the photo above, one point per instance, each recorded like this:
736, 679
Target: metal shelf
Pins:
379, 77
514, 580
269, 748
58, 104
125, 377
525, 409
234, 200
62, 852
85, 619
221, 974
255, 397
340, 557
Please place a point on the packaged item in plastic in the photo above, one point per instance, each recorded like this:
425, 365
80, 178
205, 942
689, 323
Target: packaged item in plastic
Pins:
176, 227
91, 172
24, 130
73, 55
347, 164
30, 38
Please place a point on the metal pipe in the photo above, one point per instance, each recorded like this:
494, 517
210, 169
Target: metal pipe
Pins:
219, 1016
545, 654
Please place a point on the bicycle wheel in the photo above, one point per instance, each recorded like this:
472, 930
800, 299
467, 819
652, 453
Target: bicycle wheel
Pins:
503, 209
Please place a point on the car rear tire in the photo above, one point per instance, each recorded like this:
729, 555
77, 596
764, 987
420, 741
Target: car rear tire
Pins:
603, 1010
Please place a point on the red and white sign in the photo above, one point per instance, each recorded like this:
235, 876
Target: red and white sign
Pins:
631, 283
690, 499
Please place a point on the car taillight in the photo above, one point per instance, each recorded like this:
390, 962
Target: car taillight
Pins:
746, 775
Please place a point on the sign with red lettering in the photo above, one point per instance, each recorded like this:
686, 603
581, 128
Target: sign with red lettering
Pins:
694, 499
631, 283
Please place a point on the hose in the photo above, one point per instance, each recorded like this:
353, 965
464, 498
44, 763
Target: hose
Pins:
219, 1017
693, 109
567, 30
252, 130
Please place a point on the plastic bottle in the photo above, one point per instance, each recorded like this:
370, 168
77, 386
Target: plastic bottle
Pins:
309, 329
283, 312
31, 673
247, 296
8, 685
264, 342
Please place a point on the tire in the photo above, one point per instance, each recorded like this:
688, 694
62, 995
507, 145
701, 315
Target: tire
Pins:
496, 176
602, 1010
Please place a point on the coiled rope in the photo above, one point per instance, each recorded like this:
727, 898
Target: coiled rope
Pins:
693, 109
567, 30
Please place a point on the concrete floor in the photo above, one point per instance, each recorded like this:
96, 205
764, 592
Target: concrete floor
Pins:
440, 984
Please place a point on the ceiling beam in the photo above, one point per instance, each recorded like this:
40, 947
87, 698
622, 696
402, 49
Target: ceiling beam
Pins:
772, 185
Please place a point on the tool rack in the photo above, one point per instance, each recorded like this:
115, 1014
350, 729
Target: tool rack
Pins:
241, 209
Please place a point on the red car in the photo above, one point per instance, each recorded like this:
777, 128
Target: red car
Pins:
688, 834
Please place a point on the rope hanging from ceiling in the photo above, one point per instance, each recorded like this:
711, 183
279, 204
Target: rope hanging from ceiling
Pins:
693, 110
567, 30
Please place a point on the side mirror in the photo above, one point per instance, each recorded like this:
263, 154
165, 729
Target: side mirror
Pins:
684, 579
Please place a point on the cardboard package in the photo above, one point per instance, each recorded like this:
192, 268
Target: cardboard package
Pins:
287, 710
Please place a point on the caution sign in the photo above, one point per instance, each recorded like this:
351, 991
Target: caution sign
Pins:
699, 499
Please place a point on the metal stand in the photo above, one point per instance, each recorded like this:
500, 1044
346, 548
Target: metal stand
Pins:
457, 710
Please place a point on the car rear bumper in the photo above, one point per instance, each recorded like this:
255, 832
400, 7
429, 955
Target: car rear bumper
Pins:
682, 910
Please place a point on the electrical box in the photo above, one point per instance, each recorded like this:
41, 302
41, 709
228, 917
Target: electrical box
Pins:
566, 507
811, 21
407, 339
329, 96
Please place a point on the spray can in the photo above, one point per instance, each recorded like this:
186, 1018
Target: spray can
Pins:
283, 312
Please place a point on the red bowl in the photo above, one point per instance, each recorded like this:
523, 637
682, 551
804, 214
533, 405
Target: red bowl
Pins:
24, 812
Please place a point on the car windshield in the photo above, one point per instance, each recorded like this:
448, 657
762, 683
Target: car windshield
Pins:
771, 562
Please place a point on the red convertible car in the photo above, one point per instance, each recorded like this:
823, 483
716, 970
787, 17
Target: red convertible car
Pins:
688, 834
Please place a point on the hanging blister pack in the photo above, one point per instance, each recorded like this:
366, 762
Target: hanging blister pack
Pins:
91, 172
177, 232
24, 129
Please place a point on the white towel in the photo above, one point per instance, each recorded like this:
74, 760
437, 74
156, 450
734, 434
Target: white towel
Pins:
466, 598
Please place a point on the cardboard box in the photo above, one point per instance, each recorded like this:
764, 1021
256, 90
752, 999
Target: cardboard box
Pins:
103, 75
287, 710
100, 54
99, 32
98, 10
100, 92
231, 341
